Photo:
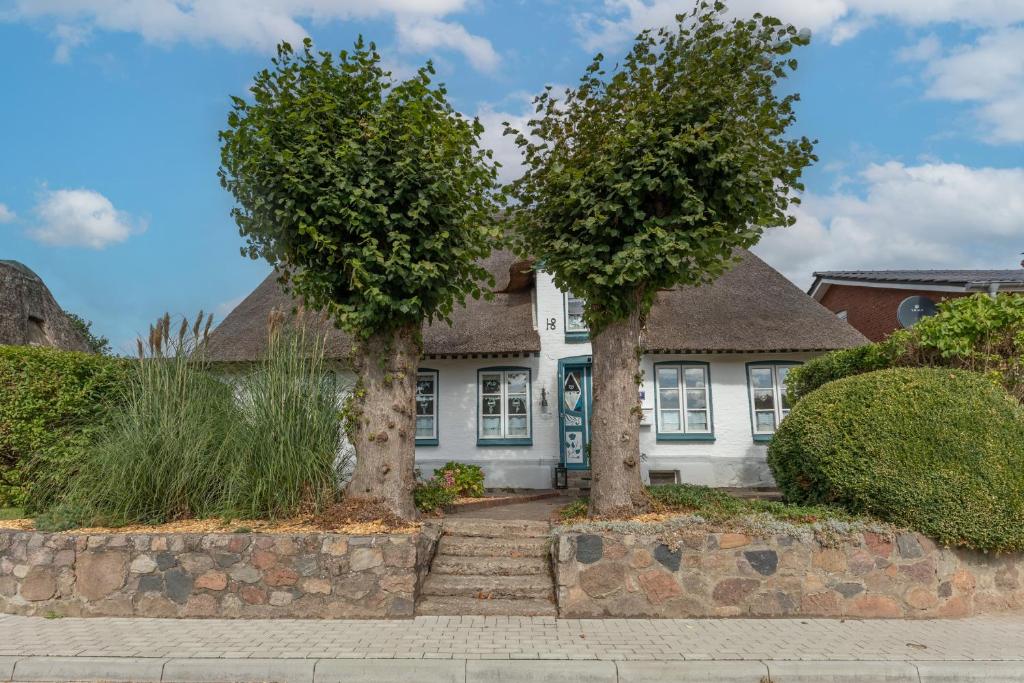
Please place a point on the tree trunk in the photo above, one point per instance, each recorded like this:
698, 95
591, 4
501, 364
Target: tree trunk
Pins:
616, 488
382, 418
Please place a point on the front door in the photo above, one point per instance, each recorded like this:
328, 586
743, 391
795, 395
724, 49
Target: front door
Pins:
574, 406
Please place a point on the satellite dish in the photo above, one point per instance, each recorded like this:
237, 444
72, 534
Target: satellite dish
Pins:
913, 308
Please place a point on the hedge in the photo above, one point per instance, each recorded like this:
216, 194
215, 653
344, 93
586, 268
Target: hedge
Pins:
52, 403
937, 450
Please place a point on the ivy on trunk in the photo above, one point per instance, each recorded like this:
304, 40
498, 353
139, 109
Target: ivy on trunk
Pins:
651, 176
373, 199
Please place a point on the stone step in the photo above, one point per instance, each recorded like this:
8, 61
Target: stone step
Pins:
489, 587
469, 546
491, 566
457, 606
497, 528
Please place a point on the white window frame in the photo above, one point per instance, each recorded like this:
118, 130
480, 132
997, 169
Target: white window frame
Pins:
684, 403
433, 376
504, 414
778, 392
583, 328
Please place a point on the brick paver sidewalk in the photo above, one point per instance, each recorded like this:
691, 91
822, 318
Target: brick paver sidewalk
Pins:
519, 638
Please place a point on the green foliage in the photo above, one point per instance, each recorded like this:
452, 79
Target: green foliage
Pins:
372, 196
188, 443
12, 513
466, 480
937, 450
52, 405
97, 344
60, 517
433, 494
979, 333
803, 379
716, 505
652, 175
575, 511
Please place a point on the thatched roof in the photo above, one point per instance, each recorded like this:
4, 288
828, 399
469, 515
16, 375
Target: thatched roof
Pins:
29, 315
752, 308
503, 325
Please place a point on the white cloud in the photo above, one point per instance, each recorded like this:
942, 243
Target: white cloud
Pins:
989, 72
250, 24
618, 21
6, 215
504, 147
932, 215
81, 218
425, 34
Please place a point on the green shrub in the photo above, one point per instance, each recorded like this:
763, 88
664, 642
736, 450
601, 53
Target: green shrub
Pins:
188, 443
937, 450
575, 511
803, 379
717, 505
466, 480
979, 333
433, 494
52, 406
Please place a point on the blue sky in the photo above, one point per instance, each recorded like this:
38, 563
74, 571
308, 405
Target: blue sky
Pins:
110, 112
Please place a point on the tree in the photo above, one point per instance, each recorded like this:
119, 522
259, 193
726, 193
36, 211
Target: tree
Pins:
650, 177
97, 344
373, 198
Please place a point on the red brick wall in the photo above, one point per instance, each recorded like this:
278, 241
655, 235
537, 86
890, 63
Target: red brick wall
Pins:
872, 310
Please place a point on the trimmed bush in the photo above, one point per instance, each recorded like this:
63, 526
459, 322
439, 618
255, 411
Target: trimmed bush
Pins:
52, 406
803, 379
937, 450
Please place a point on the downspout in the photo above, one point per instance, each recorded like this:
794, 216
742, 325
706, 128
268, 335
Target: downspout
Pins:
993, 289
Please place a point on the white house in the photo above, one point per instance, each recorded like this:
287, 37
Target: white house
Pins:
508, 384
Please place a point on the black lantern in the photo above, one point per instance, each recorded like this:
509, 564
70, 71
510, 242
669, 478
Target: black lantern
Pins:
561, 477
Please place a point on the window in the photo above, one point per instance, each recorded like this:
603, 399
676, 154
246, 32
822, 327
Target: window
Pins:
683, 401
504, 406
575, 325
426, 408
663, 477
768, 400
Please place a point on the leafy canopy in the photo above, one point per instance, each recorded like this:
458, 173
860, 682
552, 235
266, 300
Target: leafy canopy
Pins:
651, 175
373, 197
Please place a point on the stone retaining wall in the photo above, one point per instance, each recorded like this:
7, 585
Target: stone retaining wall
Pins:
213, 575
732, 575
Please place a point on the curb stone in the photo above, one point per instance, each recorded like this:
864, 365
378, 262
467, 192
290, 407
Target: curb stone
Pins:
7, 667
139, 670
239, 670
703, 671
841, 672
548, 671
962, 672
390, 671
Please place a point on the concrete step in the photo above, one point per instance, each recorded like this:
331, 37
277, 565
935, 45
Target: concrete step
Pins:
469, 546
491, 566
497, 528
489, 587
456, 606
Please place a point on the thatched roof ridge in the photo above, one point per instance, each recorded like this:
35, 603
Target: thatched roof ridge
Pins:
29, 315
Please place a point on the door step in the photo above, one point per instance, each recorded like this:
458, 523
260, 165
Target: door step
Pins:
456, 606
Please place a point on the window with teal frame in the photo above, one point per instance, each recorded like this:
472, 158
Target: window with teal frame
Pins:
576, 329
682, 401
769, 404
504, 407
426, 407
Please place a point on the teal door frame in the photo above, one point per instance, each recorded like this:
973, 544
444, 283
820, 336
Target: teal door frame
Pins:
574, 420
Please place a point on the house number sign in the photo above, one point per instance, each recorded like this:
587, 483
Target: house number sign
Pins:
552, 324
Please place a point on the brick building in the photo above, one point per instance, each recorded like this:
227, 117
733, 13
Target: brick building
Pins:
869, 299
